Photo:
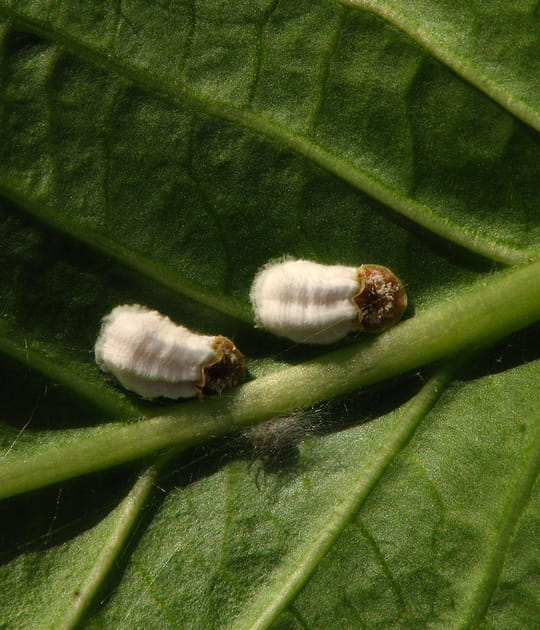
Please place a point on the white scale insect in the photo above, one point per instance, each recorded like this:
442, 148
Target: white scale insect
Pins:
313, 303
153, 357
298, 299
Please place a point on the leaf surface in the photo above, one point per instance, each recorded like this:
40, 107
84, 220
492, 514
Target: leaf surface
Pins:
159, 153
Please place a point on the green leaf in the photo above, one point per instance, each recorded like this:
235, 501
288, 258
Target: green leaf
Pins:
159, 153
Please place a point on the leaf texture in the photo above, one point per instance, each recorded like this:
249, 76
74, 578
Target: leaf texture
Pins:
160, 153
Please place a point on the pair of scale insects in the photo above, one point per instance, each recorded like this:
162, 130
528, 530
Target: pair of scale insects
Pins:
297, 299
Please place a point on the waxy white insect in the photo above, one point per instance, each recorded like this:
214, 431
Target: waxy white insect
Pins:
153, 357
313, 303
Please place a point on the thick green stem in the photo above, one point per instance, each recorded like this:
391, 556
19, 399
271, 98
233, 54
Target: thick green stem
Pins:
501, 304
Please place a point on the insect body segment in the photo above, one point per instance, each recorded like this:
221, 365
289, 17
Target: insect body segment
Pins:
382, 300
153, 357
302, 300
228, 371
308, 302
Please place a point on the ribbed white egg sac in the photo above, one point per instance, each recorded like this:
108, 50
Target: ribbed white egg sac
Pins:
305, 301
150, 355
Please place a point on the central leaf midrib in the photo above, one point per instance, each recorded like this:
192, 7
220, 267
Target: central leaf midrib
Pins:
503, 304
346, 171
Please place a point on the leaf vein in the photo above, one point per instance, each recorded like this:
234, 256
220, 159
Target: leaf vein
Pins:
137, 261
299, 143
325, 71
261, 26
394, 584
516, 503
458, 64
297, 572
